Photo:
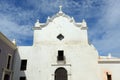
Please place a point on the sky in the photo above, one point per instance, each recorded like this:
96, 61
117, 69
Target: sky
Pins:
17, 18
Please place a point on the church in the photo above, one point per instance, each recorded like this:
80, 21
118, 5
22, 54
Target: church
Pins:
61, 51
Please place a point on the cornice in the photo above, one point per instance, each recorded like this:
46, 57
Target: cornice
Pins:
82, 25
109, 61
7, 41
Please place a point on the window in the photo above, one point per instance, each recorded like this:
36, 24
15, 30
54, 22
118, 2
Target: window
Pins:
9, 62
6, 77
109, 76
60, 56
23, 64
60, 37
0, 50
22, 78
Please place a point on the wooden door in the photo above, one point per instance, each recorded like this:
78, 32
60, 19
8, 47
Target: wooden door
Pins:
61, 74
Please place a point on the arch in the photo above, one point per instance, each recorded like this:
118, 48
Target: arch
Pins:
61, 74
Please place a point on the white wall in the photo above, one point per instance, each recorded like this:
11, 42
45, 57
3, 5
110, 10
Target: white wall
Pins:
81, 58
61, 25
81, 61
112, 68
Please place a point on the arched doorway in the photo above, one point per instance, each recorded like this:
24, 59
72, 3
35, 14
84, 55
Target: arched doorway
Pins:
61, 74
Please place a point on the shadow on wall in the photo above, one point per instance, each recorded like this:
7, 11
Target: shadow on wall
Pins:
7, 52
19, 67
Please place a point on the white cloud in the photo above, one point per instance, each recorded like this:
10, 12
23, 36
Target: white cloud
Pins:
78, 8
109, 27
13, 30
15, 22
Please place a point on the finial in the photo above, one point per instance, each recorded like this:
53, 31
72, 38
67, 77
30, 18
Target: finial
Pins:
14, 41
37, 24
60, 9
83, 20
37, 20
48, 17
109, 55
84, 23
72, 19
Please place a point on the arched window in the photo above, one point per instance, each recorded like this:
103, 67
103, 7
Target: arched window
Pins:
61, 74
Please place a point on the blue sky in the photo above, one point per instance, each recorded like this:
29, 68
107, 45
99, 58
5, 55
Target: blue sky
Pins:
17, 17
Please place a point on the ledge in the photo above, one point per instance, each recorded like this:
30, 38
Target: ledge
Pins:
61, 65
109, 61
7, 70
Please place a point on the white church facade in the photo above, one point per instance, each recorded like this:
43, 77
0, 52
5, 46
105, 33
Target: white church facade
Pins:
61, 51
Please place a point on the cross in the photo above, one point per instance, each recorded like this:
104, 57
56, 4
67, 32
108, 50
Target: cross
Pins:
60, 8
